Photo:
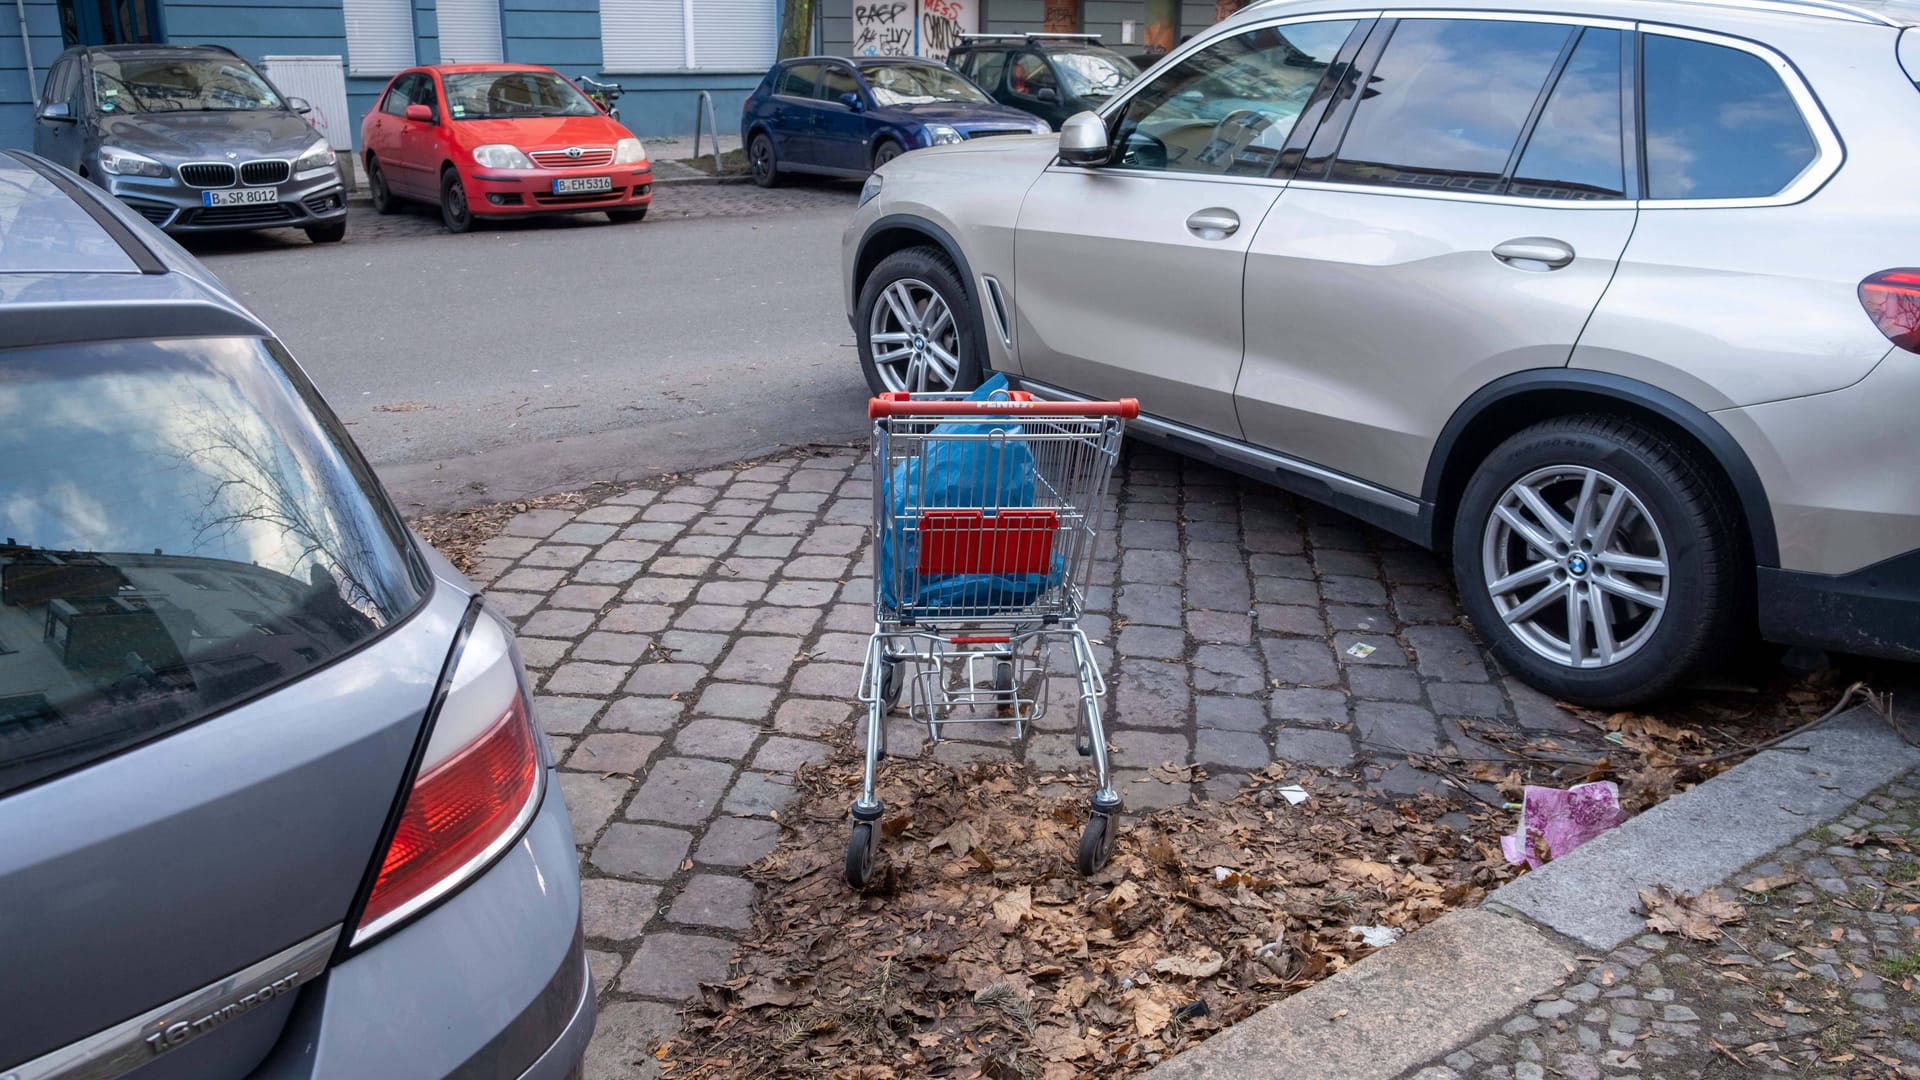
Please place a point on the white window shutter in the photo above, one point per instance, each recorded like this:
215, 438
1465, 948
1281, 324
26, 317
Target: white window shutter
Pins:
642, 35
379, 36
470, 31
735, 35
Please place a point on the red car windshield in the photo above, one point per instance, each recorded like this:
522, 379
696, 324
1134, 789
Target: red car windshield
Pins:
513, 95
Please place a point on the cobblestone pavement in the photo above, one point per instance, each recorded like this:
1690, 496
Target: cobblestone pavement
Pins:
1821, 979
693, 644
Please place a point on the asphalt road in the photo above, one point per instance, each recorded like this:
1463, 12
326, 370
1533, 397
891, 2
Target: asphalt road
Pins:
536, 357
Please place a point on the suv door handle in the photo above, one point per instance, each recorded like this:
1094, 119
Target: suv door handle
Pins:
1551, 254
1213, 223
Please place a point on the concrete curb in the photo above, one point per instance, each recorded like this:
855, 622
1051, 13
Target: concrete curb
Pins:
1432, 992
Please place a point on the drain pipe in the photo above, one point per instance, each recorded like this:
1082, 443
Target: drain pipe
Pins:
26, 52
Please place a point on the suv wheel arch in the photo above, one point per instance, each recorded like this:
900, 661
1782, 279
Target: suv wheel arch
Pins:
897, 232
1507, 405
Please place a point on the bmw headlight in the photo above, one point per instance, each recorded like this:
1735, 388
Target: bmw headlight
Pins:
870, 189
501, 156
127, 163
316, 158
942, 135
629, 152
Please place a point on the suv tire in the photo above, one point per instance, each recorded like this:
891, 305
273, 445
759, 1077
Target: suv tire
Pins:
1632, 514
930, 332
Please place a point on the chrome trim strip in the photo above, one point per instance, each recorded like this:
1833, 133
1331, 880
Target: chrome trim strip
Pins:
997, 308
1349, 485
1463, 196
130, 1044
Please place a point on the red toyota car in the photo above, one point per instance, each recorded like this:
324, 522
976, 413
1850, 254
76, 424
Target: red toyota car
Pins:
500, 140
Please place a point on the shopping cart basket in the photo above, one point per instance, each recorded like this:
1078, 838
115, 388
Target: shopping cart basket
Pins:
985, 517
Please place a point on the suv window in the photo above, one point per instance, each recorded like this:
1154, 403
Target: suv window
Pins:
1445, 105
59, 83
1575, 149
182, 527
1229, 108
1031, 75
399, 96
1719, 123
799, 81
986, 68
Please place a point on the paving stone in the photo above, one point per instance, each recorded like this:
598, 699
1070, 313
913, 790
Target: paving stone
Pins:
611, 648
1326, 708
665, 679
1447, 653
1211, 712
1152, 567
758, 794
1300, 662
1156, 642
1425, 604
529, 580
806, 593
825, 680
542, 652
702, 542
1467, 699
1150, 605
559, 556
1141, 792
1384, 683
505, 547
672, 966
659, 590
1232, 749
1333, 562
1294, 619
584, 532
766, 547
591, 801
680, 791
1229, 669
670, 511
580, 677
812, 718
1380, 650
714, 900
731, 592
1391, 728
603, 967
636, 619
1360, 619
1150, 693
647, 852
795, 622
513, 604
653, 532
634, 497
608, 514
1217, 586
614, 752
1219, 627
616, 910
565, 715
737, 842
642, 714
607, 572
725, 740
1353, 590
1136, 533
758, 659
782, 754
681, 565
1309, 746
627, 551
1294, 592
711, 617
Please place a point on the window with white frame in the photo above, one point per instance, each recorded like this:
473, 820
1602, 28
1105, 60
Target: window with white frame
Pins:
469, 31
689, 35
379, 36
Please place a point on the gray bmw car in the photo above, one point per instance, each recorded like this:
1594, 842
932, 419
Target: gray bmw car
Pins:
192, 138
273, 798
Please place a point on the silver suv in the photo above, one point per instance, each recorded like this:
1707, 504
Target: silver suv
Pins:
1608, 297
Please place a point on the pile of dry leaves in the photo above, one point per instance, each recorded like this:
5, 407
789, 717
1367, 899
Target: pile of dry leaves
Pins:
980, 951
455, 534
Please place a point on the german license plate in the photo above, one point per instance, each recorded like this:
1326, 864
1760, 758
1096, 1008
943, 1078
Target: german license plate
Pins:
580, 185
240, 197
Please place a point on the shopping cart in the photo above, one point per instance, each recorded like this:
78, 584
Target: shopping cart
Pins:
985, 517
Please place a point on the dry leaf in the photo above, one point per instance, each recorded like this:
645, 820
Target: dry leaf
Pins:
1149, 1016
1779, 1022
1698, 918
1368, 870
1012, 906
959, 836
1201, 965
1768, 884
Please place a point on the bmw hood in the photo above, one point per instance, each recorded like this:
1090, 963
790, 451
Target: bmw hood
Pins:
210, 136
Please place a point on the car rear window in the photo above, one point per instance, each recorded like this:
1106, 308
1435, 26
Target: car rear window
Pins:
182, 527
1720, 123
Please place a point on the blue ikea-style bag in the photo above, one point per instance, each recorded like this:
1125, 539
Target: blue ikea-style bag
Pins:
989, 473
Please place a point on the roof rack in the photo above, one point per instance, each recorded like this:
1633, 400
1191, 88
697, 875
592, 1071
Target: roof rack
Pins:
1866, 12
1030, 37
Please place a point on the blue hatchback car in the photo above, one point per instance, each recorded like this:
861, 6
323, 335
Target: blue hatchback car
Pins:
841, 117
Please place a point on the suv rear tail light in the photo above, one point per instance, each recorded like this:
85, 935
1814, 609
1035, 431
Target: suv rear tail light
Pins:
480, 783
1892, 300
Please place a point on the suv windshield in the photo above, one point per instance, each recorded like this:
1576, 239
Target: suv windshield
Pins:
919, 84
182, 527
150, 84
1092, 71
513, 95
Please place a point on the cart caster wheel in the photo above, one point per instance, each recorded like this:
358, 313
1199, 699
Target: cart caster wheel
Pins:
892, 681
1096, 845
1003, 676
860, 849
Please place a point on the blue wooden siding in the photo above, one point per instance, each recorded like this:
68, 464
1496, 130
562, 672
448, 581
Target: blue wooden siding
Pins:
17, 97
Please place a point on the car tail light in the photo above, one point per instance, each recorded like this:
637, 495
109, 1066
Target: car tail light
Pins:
1892, 300
480, 782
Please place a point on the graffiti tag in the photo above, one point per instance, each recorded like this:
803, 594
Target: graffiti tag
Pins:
879, 31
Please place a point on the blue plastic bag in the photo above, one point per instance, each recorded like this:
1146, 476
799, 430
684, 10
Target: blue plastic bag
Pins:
989, 474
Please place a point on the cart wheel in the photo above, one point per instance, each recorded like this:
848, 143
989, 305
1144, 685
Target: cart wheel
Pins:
1096, 845
1003, 676
892, 679
860, 847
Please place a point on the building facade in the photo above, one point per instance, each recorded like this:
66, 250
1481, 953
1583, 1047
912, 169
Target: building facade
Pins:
663, 52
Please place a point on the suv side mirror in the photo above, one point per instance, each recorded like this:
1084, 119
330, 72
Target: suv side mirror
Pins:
1083, 140
1047, 94
299, 105
851, 101
58, 112
421, 113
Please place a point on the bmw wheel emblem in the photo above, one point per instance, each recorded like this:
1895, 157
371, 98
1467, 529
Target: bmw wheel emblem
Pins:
1577, 565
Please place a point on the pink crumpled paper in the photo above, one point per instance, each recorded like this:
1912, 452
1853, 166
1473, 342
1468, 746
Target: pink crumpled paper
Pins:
1566, 819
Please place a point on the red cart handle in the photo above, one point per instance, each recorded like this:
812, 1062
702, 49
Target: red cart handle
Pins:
898, 404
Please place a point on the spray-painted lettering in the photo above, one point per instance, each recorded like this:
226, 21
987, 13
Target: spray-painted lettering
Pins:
941, 24
878, 29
